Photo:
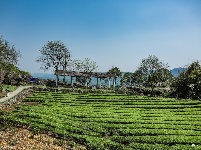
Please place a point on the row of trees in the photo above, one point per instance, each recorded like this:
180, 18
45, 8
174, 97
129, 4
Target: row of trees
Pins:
56, 55
151, 72
9, 58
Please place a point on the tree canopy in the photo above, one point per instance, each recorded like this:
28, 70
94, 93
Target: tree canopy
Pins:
188, 83
86, 66
138, 78
55, 55
8, 54
114, 72
154, 71
9, 58
127, 79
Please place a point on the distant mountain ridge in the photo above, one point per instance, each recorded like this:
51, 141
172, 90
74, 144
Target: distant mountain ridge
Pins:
176, 71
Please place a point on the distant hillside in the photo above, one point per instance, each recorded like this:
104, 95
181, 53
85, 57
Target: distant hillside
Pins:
176, 71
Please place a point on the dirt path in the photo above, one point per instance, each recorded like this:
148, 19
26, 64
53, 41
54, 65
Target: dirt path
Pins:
11, 94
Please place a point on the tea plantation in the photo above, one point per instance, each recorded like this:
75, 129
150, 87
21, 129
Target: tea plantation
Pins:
112, 121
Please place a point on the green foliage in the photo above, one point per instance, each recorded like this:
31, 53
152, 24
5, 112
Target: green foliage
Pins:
25, 73
114, 72
8, 54
154, 72
1, 88
127, 79
54, 55
188, 83
86, 66
9, 58
150, 65
139, 77
161, 76
14, 76
112, 121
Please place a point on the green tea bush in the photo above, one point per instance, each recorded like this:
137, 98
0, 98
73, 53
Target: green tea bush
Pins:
111, 121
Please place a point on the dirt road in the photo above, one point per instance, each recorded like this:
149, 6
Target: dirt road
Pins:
11, 94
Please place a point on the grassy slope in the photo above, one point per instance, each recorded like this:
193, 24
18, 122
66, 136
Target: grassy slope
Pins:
113, 121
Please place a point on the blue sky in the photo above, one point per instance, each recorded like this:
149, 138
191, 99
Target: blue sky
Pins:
116, 33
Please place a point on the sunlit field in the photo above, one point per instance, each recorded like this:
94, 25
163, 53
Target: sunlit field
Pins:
112, 121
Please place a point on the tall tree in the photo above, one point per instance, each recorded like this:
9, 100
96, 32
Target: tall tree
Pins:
188, 83
55, 55
154, 70
8, 53
115, 72
9, 57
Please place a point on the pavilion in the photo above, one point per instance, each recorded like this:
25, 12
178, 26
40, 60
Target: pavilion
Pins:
74, 74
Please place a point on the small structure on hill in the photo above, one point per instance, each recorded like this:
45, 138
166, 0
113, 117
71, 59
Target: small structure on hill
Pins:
74, 74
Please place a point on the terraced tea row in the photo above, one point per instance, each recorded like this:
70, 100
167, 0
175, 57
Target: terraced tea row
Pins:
113, 121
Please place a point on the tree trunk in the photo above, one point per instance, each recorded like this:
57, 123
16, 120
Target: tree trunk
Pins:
100, 82
86, 84
97, 82
152, 90
114, 81
64, 78
109, 83
71, 81
57, 80
57, 77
